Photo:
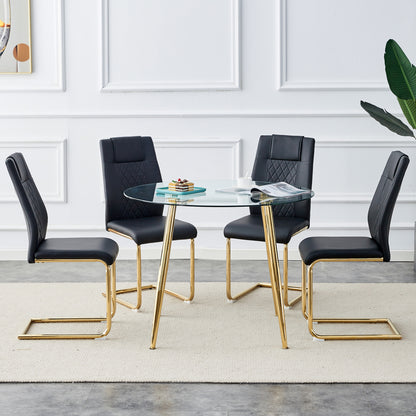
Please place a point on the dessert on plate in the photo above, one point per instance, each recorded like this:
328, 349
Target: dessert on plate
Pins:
181, 185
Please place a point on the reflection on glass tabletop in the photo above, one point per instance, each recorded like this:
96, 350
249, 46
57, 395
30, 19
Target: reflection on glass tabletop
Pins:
217, 193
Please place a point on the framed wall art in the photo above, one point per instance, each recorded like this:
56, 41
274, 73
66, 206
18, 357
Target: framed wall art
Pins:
15, 38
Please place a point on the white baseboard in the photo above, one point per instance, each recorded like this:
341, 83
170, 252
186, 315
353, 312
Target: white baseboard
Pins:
201, 253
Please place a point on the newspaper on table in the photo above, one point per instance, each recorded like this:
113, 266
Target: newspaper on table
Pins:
278, 189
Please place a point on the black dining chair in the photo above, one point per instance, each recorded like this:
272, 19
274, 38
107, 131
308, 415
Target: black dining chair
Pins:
314, 250
279, 158
44, 250
128, 162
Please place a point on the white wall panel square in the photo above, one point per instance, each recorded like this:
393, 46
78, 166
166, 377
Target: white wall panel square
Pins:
328, 44
170, 45
348, 171
199, 158
46, 160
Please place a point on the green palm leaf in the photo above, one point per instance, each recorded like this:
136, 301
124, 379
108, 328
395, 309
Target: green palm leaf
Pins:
387, 119
401, 74
409, 110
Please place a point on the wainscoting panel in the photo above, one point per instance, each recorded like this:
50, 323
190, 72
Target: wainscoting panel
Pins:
47, 162
201, 51
327, 45
201, 158
341, 175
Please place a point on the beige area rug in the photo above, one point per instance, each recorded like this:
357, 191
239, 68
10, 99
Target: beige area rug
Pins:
208, 340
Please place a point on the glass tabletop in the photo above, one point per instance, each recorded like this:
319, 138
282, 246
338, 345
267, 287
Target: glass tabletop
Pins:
214, 193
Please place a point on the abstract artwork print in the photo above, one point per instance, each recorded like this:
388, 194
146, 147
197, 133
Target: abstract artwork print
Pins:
15, 39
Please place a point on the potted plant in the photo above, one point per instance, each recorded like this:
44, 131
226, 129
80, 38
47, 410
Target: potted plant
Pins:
401, 76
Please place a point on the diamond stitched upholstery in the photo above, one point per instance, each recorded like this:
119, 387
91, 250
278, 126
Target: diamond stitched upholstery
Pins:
36, 217
33, 207
279, 158
132, 174
39, 210
282, 171
128, 162
122, 173
288, 159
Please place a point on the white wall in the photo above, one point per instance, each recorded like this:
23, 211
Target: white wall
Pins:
205, 79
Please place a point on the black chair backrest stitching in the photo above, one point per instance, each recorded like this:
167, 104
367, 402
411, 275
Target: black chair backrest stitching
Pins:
127, 162
384, 199
32, 204
288, 159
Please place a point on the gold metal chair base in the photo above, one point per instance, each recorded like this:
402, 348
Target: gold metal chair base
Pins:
394, 335
285, 286
147, 287
267, 285
110, 311
25, 334
139, 288
308, 314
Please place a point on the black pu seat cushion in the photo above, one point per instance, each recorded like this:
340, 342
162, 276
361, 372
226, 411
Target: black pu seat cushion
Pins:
316, 248
84, 248
251, 228
151, 229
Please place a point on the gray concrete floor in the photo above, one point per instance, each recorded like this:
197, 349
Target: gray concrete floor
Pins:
199, 398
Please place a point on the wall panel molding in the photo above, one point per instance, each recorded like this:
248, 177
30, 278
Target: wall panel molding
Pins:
190, 114
234, 145
283, 82
365, 143
393, 143
351, 198
58, 146
358, 198
164, 85
60, 52
351, 226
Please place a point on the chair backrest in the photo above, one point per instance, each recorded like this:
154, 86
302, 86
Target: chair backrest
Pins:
384, 200
127, 162
288, 159
33, 207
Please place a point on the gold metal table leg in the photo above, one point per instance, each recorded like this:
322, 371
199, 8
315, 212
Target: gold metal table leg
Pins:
163, 270
273, 259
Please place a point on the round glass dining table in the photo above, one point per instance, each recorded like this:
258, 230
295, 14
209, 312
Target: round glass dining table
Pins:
216, 194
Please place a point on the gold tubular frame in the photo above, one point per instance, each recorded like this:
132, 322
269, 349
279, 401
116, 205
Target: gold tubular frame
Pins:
274, 270
163, 271
272, 255
110, 308
285, 285
139, 288
308, 314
